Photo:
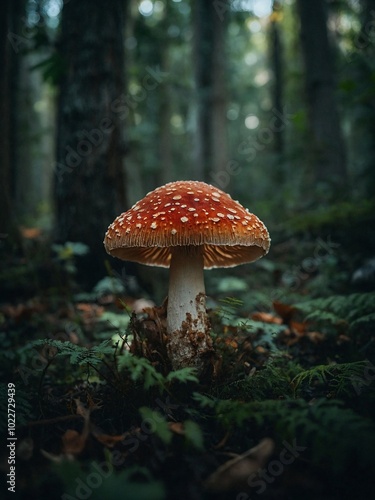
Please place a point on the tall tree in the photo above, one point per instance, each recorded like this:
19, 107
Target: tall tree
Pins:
366, 69
275, 43
326, 147
89, 170
10, 41
210, 141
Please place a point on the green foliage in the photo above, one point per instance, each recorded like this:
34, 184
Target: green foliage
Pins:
138, 369
137, 482
141, 370
193, 434
66, 253
341, 214
270, 382
77, 355
337, 378
159, 424
324, 427
182, 375
346, 311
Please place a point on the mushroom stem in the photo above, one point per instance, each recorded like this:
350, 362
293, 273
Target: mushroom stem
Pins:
187, 323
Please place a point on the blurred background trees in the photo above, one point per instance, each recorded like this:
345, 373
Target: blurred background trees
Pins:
272, 101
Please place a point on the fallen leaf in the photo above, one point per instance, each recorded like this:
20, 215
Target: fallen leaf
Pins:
73, 442
177, 428
284, 310
234, 473
266, 318
106, 439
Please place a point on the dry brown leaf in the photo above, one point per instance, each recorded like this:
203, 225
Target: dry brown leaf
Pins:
30, 233
316, 337
106, 439
177, 428
234, 473
266, 318
73, 442
284, 310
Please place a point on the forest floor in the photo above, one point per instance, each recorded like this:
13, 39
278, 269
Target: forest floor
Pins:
286, 412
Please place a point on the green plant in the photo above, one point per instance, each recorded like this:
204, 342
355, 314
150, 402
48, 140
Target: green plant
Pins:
347, 312
336, 378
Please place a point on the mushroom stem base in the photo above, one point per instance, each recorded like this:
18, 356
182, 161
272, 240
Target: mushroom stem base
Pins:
187, 324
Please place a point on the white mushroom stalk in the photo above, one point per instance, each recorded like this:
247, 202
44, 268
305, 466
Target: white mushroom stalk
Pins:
187, 324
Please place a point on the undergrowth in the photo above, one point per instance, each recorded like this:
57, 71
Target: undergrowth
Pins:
271, 379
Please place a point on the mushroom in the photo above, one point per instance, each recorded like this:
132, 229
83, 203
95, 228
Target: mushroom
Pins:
187, 226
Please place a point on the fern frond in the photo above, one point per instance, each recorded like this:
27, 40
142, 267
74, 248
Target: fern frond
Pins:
78, 355
350, 310
338, 377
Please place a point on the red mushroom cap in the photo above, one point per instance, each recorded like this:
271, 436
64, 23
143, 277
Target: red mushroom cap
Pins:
185, 213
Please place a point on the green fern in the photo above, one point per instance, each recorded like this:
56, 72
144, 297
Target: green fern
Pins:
349, 311
336, 377
141, 370
78, 355
324, 427
270, 382
158, 423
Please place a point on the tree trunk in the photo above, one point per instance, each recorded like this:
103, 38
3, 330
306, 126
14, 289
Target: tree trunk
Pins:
10, 12
277, 92
210, 141
326, 146
89, 172
365, 43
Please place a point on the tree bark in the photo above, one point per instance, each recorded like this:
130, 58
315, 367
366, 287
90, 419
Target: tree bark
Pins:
275, 43
10, 12
326, 146
210, 141
89, 172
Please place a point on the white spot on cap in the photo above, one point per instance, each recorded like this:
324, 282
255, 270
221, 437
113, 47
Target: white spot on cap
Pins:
177, 197
191, 209
196, 199
174, 231
220, 215
184, 219
138, 226
154, 225
230, 217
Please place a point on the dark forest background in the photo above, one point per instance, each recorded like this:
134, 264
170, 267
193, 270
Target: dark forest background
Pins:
270, 101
